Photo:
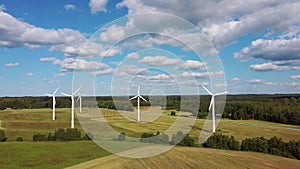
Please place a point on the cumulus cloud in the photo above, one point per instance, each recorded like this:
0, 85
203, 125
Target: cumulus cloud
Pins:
51, 59
70, 64
16, 33
70, 7
259, 81
284, 54
295, 77
98, 6
159, 61
158, 78
130, 70
59, 75
201, 74
133, 56
104, 71
193, 65
236, 80
12, 64
233, 20
274, 50
29, 74
277, 66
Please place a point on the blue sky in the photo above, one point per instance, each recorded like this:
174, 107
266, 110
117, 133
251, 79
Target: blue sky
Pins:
43, 42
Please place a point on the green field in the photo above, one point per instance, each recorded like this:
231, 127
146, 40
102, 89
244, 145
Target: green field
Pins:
28, 154
47, 154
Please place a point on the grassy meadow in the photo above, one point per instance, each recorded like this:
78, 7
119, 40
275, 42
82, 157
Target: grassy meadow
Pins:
28, 154
47, 154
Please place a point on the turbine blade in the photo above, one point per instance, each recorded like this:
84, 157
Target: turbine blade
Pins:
139, 88
133, 97
49, 95
142, 98
76, 90
210, 105
66, 94
207, 90
77, 99
221, 93
55, 91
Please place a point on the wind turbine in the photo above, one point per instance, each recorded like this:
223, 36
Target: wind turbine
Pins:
80, 101
212, 106
72, 111
54, 102
138, 96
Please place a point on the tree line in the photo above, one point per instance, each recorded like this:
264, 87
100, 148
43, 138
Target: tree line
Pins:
277, 108
273, 145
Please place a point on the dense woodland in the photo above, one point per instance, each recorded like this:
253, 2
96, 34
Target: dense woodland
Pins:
274, 108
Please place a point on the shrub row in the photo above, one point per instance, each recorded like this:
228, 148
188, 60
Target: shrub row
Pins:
61, 134
161, 138
273, 145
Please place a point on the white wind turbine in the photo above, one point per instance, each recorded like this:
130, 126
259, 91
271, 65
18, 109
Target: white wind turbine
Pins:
138, 96
212, 106
54, 102
72, 111
80, 101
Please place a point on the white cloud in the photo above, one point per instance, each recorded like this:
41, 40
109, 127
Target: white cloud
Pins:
80, 64
193, 65
70, 64
295, 77
277, 66
259, 81
233, 18
133, 56
98, 6
51, 59
201, 74
12, 64
159, 61
2, 8
70, 7
16, 33
59, 75
29, 74
158, 78
88, 50
236, 80
104, 71
116, 33
130, 70
274, 50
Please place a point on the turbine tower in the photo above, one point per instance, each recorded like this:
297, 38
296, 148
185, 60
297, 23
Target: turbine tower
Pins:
212, 106
138, 96
54, 102
72, 110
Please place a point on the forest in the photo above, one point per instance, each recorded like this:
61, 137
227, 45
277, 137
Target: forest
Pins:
279, 108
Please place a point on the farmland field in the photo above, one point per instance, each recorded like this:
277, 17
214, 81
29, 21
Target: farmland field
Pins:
26, 122
184, 157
